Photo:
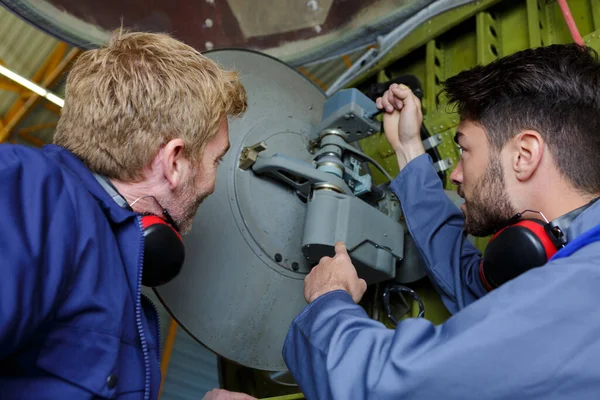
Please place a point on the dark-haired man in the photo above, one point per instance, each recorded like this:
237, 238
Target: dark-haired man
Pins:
530, 138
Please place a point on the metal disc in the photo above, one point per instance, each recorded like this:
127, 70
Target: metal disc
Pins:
242, 282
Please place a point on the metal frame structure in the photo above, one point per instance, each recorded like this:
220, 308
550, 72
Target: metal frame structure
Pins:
47, 76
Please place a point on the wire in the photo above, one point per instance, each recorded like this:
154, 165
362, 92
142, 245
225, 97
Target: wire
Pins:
392, 288
564, 8
362, 155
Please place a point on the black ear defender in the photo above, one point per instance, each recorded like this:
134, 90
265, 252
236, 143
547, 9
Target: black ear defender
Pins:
164, 250
525, 243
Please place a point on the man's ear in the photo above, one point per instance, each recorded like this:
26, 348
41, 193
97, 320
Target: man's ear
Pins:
528, 150
174, 162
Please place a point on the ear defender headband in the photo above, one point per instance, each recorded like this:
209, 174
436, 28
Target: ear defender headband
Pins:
164, 251
522, 245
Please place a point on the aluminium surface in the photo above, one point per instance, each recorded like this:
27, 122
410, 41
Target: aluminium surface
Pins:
238, 291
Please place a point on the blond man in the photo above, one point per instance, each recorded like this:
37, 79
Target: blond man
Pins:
143, 128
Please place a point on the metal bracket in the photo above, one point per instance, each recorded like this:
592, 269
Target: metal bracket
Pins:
443, 165
249, 155
432, 141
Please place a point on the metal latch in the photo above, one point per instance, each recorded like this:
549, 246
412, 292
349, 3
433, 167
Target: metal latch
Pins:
249, 154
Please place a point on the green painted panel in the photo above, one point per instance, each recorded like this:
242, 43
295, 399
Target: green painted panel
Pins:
593, 40
515, 32
582, 14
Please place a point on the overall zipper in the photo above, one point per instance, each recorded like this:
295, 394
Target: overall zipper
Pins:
157, 318
138, 315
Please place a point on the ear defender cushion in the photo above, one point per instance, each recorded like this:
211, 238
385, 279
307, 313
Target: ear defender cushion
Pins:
515, 250
164, 251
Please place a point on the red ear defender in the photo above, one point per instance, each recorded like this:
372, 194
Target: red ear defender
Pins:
515, 249
164, 251
523, 245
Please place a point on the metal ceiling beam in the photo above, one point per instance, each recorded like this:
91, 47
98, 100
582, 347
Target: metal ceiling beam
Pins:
47, 76
7, 84
26, 133
52, 107
58, 52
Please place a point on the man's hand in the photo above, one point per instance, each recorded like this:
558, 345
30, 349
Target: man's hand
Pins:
402, 122
222, 394
334, 274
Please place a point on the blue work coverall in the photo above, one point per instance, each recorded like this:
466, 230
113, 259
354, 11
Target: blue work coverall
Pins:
535, 337
73, 322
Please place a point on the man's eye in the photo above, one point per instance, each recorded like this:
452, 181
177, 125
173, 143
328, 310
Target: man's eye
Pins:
219, 161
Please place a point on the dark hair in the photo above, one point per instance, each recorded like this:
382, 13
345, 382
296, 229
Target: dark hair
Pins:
554, 90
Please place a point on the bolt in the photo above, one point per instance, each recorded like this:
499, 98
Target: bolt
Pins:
346, 117
313, 5
318, 28
208, 45
208, 22
295, 266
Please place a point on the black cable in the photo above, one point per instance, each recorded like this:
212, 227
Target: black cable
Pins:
392, 288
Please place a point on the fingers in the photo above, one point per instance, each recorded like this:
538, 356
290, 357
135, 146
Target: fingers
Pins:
340, 248
383, 102
406, 96
362, 288
395, 98
324, 260
363, 285
418, 102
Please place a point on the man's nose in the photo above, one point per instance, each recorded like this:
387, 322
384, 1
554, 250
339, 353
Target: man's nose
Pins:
456, 177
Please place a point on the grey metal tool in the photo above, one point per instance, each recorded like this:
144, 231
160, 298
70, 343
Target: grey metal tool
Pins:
372, 233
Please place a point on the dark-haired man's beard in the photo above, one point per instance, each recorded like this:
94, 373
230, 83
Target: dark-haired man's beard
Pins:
487, 207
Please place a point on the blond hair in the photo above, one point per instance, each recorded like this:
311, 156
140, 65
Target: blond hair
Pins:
125, 100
